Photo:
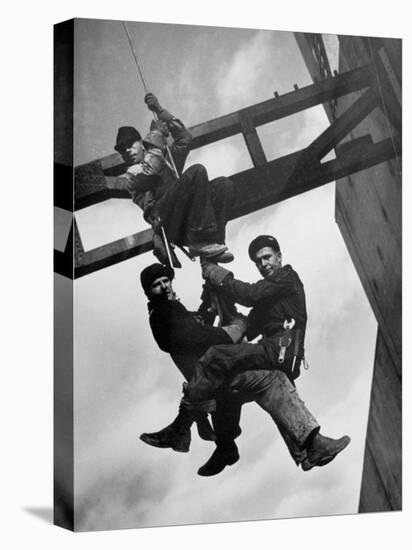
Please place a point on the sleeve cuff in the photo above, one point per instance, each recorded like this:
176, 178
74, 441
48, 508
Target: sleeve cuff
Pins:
165, 116
218, 275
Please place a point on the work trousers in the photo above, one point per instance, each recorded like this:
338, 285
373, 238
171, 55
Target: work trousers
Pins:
246, 368
226, 416
195, 210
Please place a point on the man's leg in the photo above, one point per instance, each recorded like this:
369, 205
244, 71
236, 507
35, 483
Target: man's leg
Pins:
211, 372
167, 438
219, 364
187, 204
187, 212
274, 392
222, 199
226, 420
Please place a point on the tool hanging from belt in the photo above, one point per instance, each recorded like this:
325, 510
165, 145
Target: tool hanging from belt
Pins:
171, 257
286, 340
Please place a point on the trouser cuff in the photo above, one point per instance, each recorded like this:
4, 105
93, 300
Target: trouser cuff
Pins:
201, 406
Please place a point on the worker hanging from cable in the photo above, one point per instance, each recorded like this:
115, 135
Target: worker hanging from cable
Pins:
190, 209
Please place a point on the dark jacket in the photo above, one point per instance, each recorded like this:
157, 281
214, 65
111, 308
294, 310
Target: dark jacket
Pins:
178, 331
273, 301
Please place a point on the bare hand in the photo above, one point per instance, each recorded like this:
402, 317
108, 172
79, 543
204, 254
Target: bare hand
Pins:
135, 169
152, 102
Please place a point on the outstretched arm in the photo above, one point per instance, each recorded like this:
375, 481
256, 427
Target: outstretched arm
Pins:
247, 294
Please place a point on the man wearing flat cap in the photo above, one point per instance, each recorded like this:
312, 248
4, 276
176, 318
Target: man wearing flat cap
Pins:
192, 209
279, 316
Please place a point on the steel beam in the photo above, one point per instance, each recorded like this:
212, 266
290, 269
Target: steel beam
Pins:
96, 181
257, 188
282, 106
252, 140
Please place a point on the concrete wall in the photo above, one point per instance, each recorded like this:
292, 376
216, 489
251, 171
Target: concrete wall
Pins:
369, 215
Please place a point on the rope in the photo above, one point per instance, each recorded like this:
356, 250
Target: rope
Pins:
135, 57
388, 125
155, 117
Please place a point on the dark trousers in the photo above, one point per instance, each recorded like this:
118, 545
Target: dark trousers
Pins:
220, 364
194, 209
249, 370
226, 417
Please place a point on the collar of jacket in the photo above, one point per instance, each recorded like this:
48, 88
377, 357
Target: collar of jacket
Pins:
162, 301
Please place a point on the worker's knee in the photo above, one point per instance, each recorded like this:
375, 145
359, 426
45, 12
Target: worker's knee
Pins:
217, 355
198, 172
210, 356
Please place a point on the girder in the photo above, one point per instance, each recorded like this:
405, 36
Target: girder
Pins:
257, 188
266, 184
96, 181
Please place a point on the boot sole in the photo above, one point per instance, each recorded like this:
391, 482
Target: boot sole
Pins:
206, 473
325, 460
154, 443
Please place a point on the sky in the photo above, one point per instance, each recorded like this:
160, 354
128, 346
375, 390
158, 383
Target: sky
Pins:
124, 385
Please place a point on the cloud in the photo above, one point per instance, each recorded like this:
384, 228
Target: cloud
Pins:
124, 385
234, 81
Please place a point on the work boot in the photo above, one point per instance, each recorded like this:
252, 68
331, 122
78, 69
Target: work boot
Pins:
168, 438
175, 436
204, 429
323, 450
213, 252
223, 455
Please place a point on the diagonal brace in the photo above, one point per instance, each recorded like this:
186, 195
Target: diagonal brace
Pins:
341, 127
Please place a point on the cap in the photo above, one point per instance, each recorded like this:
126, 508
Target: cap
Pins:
153, 272
261, 242
126, 135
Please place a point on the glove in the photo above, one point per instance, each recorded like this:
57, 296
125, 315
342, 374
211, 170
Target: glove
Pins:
135, 169
152, 102
150, 216
149, 207
214, 273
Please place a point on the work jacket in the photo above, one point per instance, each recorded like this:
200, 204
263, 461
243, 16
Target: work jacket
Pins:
146, 190
279, 298
179, 331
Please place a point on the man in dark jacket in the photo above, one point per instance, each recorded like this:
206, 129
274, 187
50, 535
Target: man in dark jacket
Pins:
279, 315
186, 337
192, 209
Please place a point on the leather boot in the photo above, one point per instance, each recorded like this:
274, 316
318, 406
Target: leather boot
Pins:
175, 436
322, 450
204, 429
224, 455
